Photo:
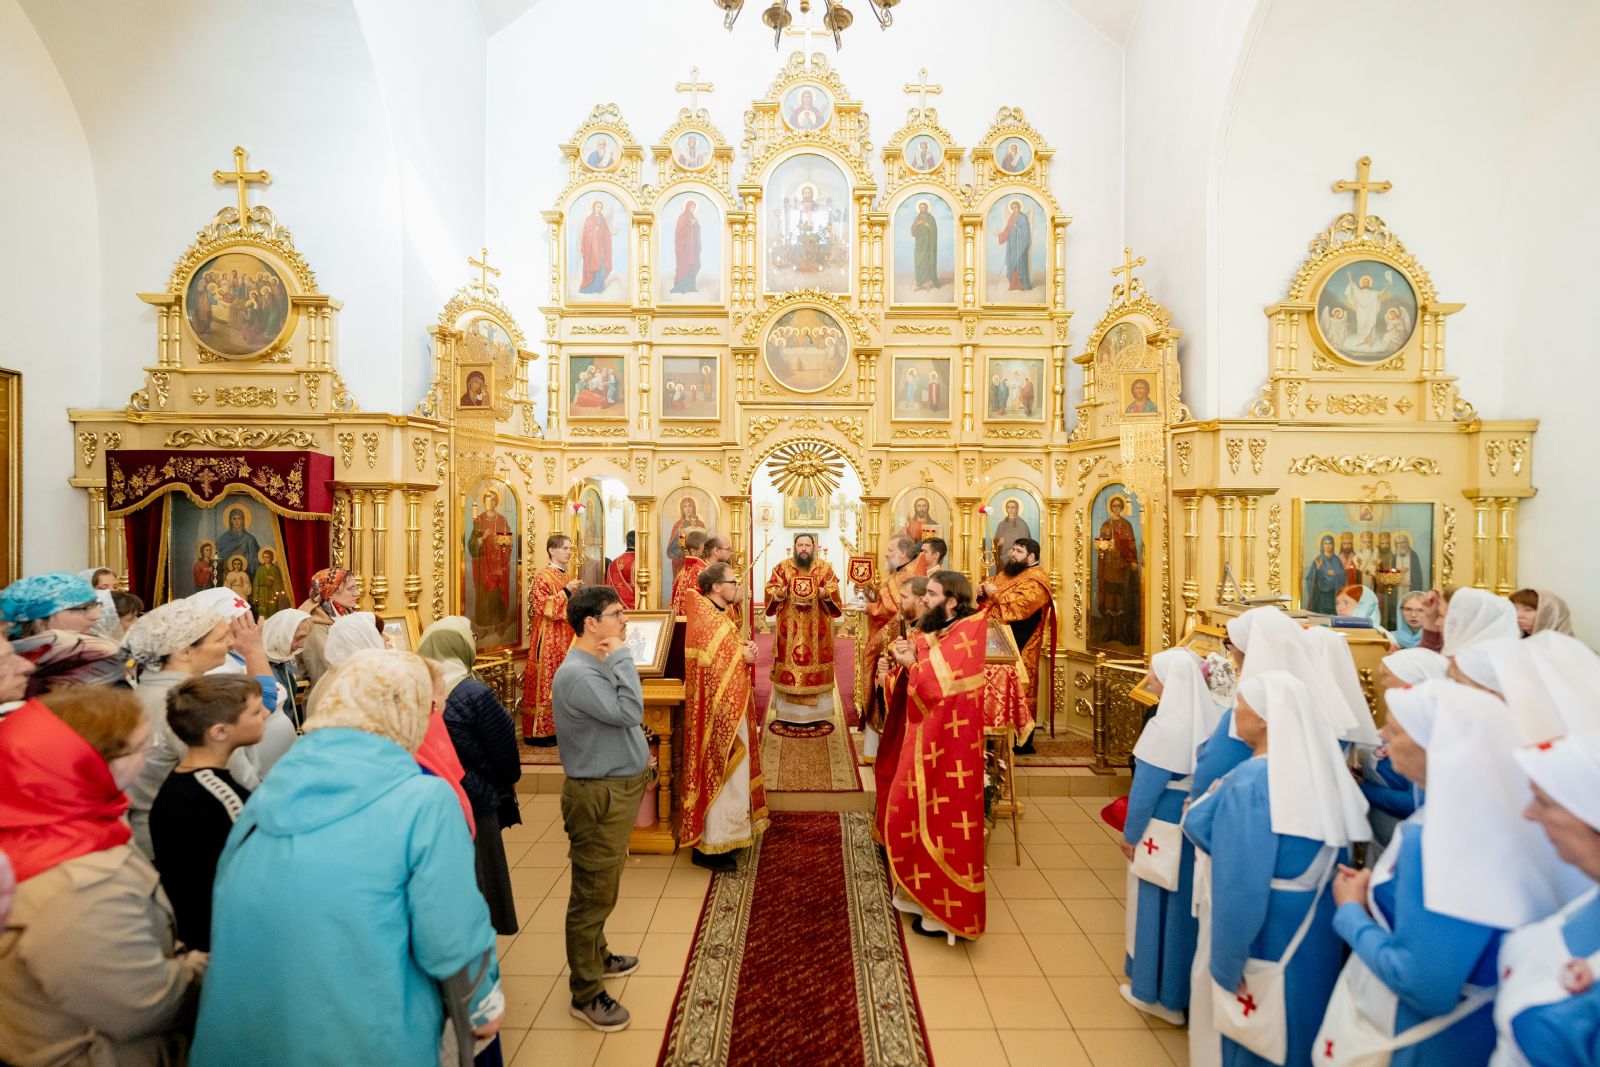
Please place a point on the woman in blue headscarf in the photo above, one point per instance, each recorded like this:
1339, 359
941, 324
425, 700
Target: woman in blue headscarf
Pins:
57, 601
1407, 631
1359, 602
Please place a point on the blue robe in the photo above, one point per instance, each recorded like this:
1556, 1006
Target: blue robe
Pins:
1567, 1032
1324, 578
1392, 792
1165, 932
1217, 756
1251, 919
1425, 960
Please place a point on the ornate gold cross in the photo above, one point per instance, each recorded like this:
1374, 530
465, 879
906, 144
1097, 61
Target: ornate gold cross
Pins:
923, 88
917, 877
936, 802
1126, 270
242, 179
484, 270
960, 774
946, 902
1361, 187
694, 87
957, 723
965, 826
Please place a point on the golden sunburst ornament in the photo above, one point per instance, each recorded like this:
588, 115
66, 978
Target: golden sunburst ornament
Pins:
802, 469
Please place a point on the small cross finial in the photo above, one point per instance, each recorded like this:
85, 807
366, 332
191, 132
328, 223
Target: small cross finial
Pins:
1361, 187
484, 270
1129, 284
694, 87
805, 30
923, 88
242, 179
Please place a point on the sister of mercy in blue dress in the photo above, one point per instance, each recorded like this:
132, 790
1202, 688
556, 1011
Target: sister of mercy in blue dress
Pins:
1565, 1030
1164, 929
1250, 919
1425, 958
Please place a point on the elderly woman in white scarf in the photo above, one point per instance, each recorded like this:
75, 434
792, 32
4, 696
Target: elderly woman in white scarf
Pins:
283, 636
1548, 1009
1550, 683
1275, 829
1424, 924
1161, 927
1393, 797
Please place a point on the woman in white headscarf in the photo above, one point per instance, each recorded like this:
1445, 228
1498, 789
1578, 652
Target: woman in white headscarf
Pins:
248, 655
1477, 615
1420, 981
1550, 683
1161, 927
1548, 1010
1275, 829
283, 635
1390, 794
350, 634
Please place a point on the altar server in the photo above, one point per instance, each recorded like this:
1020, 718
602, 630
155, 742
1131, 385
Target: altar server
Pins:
1275, 829
1548, 1010
1419, 984
1161, 929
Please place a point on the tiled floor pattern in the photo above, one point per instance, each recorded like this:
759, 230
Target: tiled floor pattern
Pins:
1040, 988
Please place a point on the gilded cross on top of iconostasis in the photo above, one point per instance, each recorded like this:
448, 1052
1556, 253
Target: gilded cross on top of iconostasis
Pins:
1129, 285
1361, 187
694, 87
923, 88
484, 270
242, 180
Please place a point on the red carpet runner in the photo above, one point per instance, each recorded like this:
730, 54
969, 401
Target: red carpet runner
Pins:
798, 958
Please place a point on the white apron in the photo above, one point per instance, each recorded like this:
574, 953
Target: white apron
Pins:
1532, 964
1358, 1029
1258, 1019
1205, 1044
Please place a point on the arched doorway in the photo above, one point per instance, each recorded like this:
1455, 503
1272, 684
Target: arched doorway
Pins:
805, 488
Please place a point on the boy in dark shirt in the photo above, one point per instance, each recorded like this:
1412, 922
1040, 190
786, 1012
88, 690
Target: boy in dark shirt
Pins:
196, 808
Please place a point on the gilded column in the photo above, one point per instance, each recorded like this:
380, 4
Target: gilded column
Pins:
99, 555
736, 506
413, 586
969, 261
1057, 545
1191, 562
642, 547
962, 553
1506, 545
1480, 540
644, 386
642, 221
557, 506
1227, 504
552, 377
1247, 545
358, 527
380, 549
968, 356
874, 520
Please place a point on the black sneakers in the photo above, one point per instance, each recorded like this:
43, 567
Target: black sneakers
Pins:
621, 966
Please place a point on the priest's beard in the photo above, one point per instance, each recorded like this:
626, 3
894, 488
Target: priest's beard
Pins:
934, 619
1014, 567
802, 559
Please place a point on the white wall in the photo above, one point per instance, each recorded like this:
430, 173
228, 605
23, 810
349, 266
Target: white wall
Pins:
543, 82
49, 286
1550, 367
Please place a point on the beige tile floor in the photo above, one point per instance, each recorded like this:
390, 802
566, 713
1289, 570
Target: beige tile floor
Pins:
1039, 988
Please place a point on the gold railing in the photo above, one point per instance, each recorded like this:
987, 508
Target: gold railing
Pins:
1118, 718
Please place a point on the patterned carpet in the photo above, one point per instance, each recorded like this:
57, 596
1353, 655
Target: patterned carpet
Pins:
816, 758
827, 985
1058, 751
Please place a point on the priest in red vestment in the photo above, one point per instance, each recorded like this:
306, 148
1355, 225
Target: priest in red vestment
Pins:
547, 647
686, 584
889, 697
619, 575
933, 831
803, 593
1020, 597
724, 798
883, 610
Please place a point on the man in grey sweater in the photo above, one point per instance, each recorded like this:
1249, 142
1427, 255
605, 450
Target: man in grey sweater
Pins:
599, 712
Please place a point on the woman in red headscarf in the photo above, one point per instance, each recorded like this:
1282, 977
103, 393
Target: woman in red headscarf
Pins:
334, 592
93, 975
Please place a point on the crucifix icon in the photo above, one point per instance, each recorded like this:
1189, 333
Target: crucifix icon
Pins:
923, 88
1361, 187
242, 179
804, 30
694, 87
1128, 283
484, 270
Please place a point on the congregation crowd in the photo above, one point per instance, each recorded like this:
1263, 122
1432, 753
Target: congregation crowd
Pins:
1306, 887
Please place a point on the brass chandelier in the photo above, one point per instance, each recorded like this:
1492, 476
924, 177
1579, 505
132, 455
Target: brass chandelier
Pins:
836, 17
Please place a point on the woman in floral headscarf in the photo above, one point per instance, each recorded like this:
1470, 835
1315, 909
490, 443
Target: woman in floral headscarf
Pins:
335, 592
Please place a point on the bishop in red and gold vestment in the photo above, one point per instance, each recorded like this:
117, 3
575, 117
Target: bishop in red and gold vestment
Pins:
551, 637
803, 593
933, 830
724, 797
1020, 597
